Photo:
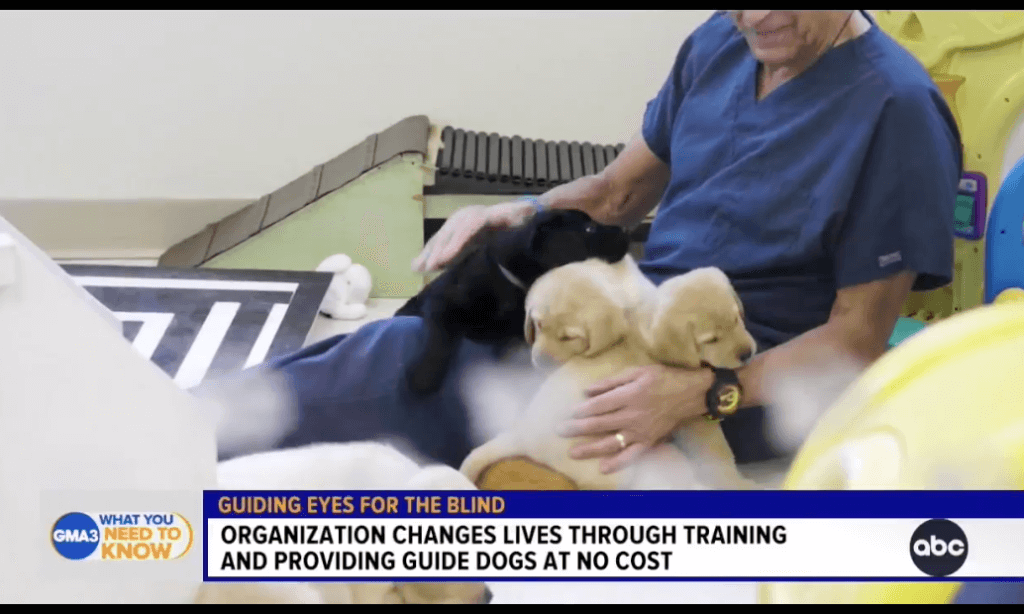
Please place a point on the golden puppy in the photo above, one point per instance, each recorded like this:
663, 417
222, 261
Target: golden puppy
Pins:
588, 320
585, 308
697, 318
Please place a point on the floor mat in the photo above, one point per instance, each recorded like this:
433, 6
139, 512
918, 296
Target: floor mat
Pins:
198, 323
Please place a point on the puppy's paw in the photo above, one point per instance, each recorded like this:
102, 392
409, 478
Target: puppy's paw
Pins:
505, 445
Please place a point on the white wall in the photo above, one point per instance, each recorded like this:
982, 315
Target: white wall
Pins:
233, 104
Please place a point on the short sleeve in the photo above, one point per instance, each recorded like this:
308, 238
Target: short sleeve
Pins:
661, 111
901, 214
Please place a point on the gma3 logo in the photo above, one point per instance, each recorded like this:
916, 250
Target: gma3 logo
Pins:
120, 536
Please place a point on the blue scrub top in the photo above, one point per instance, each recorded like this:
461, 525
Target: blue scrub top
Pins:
845, 175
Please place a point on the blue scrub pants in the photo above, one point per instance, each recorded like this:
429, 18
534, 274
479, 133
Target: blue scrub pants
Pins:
351, 388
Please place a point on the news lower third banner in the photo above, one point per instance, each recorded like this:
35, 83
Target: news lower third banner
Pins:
661, 535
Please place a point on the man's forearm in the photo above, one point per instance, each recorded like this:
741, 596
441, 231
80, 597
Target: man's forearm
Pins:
622, 194
856, 335
602, 201
591, 194
825, 345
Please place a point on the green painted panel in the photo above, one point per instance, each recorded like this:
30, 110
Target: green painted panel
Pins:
376, 219
442, 206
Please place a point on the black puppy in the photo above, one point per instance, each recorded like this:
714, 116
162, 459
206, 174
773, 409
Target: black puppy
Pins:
482, 294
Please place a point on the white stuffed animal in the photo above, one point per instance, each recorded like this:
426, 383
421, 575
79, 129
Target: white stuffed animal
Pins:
349, 290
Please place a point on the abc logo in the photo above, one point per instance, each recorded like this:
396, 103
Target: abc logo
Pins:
938, 547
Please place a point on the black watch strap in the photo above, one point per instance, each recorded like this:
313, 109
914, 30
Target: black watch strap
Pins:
725, 394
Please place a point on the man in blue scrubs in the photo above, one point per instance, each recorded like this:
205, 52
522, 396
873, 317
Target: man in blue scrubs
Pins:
805, 153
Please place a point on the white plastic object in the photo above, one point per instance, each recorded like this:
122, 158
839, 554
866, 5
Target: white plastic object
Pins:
81, 410
8, 263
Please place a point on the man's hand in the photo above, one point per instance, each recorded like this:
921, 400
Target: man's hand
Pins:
645, 406
463, 226
623, 193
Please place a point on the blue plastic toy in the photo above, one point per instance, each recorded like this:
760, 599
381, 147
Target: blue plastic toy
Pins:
1004, 249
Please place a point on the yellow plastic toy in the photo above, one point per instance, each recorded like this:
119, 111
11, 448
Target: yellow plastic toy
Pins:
942, 411
1010, 295
977, 60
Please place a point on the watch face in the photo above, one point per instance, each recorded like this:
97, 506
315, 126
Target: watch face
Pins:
728, 399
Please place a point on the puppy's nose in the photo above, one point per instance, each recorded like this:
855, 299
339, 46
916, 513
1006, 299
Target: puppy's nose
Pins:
487, 596
746, 356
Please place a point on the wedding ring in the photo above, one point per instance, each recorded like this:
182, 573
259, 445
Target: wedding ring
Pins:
622, 440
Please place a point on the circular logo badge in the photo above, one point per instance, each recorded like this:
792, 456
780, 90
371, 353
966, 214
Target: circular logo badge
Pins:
938, 547
75, 536
728, 399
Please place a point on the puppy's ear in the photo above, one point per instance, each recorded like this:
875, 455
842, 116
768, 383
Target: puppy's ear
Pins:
727, 283
605, 330
538, 228
528, 328
673, 341
739, 302
543, 225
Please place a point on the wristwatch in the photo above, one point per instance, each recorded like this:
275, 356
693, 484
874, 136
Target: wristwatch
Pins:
723, 398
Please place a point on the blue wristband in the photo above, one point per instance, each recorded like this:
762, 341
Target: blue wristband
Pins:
537, 205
